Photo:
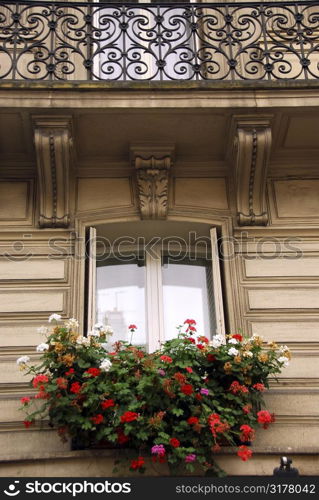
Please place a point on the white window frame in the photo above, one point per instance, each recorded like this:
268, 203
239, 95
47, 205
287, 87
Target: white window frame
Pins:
154, 290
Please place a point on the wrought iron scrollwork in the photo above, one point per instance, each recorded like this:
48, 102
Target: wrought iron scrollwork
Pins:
158, 41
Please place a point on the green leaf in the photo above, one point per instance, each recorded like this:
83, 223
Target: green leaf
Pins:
177, 411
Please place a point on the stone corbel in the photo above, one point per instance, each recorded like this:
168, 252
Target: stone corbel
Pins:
152, 166
52, 139
252, 145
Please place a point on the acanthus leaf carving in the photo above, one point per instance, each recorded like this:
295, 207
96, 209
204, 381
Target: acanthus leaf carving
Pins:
152, 166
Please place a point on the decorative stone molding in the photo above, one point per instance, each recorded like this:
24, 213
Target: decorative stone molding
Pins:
252, 145
52, 138
152, 165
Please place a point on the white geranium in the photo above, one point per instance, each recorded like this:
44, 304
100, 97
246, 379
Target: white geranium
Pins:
258, 337
233, 341
216, 341
43, 330
99, 326
94, 333
105, 365
82, 340
54, 317
233, 352
100, 329
283, 360
42, 347
23, 360
72, 323
108, 330
247, 354
283, 348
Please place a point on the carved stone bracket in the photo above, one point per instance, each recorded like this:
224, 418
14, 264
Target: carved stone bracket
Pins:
52, 138
252, 144
152, 165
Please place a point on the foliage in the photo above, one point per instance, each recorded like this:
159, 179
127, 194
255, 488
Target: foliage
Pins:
179, 404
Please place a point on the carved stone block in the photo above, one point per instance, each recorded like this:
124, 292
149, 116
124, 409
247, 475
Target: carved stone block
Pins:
152, 165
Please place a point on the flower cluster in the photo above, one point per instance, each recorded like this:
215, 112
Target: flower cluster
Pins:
179, 404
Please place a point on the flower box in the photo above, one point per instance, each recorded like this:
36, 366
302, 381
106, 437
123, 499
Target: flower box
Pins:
180, 404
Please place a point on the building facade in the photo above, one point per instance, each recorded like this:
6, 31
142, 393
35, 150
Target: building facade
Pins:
194, 124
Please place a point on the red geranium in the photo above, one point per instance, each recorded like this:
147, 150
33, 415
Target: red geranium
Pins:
247, 409
129, 416
265, 418
107, 403
75, 387
27, 423
62, 383
26, 400
203, 339
189, 322
187, 389
94, 372
238, 337
235, 387
190, 339
216, 426
192, 420
69, 372
121, 437
200, 346
42, 395
166, 359
174, 442
179, 377
211, 358
244, 453
247, 433
259, 387
132, 327
39, 379
191, 329
137, 464
97, 419
189, 369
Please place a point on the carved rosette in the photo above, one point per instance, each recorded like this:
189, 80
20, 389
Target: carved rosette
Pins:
152, 180
252, 153
52, 138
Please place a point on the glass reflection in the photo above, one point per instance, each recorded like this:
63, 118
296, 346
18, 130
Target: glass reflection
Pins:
187, 293
121, 300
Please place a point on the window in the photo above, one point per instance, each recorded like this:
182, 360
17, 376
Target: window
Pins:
154, 286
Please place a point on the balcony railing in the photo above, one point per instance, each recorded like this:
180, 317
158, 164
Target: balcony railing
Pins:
125, 41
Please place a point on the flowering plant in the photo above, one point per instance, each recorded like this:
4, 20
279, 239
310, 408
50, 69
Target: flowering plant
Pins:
180, 404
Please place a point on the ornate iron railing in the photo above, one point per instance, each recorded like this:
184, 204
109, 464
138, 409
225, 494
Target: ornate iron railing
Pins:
125, 41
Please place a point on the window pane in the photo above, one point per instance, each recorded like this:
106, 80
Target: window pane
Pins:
186, 295
121, 300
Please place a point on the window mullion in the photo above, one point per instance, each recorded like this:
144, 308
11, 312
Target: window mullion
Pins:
217, 284
154, 300
90, 271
